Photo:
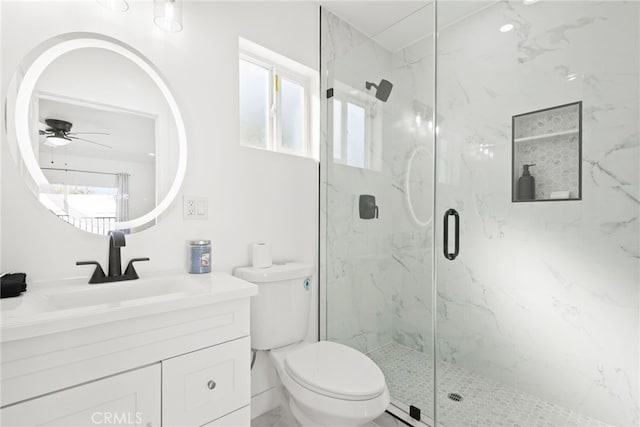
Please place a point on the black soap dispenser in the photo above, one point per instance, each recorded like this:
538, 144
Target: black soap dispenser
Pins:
526, 184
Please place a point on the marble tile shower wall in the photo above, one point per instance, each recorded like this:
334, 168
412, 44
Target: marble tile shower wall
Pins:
412, 238
358, 252
556, 164
378, 271
544, 296
547, 298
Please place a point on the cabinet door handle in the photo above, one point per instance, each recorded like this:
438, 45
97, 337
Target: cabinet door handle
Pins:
211, 384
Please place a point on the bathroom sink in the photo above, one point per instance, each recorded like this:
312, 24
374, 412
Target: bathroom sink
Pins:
120, 292
63, 305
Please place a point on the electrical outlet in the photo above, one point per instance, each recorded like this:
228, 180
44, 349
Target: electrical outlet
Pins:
195, 207
189, 207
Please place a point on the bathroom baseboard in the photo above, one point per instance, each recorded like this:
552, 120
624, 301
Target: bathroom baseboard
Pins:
264, 402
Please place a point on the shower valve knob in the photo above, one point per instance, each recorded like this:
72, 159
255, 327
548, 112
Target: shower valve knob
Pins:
367, 206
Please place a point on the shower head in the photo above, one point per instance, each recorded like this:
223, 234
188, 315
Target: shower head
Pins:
382, 90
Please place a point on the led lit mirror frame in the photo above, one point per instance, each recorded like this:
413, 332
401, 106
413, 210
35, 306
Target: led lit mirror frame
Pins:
28, 83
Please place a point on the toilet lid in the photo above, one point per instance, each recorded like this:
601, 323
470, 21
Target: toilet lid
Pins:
335, 370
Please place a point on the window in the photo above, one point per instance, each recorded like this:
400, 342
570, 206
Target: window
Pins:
356, 129
87, 207
356, 134
275, 101
255, 99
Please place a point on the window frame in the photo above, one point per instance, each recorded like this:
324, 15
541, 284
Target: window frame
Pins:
278, 71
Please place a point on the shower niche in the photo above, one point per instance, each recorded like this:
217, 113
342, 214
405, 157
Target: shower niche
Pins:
546, 154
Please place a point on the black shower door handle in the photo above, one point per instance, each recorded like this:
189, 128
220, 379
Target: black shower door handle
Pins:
456, 249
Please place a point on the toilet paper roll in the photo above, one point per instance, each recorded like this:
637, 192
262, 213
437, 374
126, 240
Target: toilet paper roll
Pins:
261, 255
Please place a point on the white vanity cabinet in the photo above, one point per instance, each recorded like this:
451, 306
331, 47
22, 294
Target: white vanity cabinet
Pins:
202, 386
182, 360
209, 386
131, 398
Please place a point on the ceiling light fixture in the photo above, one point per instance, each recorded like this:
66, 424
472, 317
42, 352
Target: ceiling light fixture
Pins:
529, 2
506, 28
56, 141
167, 14
115, 5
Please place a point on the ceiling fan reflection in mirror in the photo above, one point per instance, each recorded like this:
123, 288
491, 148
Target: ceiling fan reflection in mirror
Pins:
58, 133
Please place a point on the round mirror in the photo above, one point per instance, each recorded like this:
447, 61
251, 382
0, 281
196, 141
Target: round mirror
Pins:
96, 132
419, 186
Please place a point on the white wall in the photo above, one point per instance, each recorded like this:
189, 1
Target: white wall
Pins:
253, 195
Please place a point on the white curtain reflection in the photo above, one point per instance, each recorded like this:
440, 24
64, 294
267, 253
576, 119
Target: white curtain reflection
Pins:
122, 197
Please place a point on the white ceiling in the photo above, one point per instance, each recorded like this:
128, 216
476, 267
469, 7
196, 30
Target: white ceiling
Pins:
131, 136
101, 91
412, 28
397, 24
373, 17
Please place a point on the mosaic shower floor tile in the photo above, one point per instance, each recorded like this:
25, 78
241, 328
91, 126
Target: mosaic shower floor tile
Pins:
475, 400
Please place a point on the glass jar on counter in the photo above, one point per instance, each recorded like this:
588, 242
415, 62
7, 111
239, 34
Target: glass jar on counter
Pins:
200, 256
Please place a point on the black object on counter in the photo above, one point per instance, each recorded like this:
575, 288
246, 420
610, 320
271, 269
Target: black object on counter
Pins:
12, 285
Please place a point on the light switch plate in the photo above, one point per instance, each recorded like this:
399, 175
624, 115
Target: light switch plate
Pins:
195, 207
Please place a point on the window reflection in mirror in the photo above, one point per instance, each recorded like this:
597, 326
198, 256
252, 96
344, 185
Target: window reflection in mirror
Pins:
357, 128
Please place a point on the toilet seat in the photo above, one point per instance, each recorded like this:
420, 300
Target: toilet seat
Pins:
316, 407
335, 370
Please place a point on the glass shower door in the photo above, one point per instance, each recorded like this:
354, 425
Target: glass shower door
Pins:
537, 280
376, 198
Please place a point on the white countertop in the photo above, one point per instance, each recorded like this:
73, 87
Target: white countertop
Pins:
47, 307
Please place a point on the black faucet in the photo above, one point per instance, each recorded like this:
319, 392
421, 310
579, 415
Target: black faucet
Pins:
116, 241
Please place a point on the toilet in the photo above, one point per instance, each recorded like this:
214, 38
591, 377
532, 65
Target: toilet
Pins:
328, 384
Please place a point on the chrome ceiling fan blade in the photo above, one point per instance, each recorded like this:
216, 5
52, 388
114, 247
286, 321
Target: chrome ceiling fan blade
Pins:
88, 133
86, 140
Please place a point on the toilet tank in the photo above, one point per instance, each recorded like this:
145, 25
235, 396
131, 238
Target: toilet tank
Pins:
280, 311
